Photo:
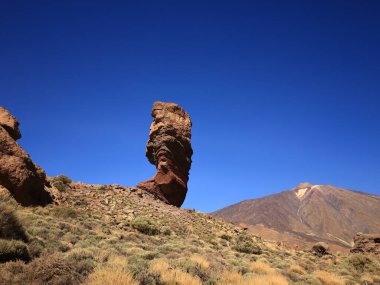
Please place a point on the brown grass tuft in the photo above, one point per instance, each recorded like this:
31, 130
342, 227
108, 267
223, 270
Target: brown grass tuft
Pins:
261, 267
328, 278
228, 278
201, 261
112, 273
170, 275
295, 268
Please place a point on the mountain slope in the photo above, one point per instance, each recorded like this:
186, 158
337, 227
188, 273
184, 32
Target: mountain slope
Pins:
111, 234
309, 213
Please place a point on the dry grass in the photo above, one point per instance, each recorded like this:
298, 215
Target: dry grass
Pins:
271, 279
228, 278
172, 276
112, 273
295, 268
367, 277
328, 278
201, 261
261, 267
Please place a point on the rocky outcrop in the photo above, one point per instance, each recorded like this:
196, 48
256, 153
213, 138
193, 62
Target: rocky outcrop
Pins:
367, 244
23, 179
169, 149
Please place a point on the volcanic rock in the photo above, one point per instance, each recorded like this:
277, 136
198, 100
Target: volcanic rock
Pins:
23, 179
320, 248
367, 244
9, 123
169, 149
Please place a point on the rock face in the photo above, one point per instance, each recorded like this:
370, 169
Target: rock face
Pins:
169, 149
23, 179
367, 244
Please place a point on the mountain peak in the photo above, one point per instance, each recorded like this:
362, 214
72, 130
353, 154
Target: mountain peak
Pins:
303, 185
309, 213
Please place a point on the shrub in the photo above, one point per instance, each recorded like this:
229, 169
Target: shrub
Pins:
261, 267
65, 212
361, 263
272, 279
10, 226
169, 275
53, 269
226, 237
11, 250
295, 268
63, 178
328, 279
36, 247
145, 226
197, 265
111, 273
245, 244
61, 182
227, 278
200, 261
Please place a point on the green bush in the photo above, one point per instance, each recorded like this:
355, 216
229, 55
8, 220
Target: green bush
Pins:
65, 212
362, 263
10, 226
63, 178
145, 226
61, 182
11, 250
245, 244
226, 237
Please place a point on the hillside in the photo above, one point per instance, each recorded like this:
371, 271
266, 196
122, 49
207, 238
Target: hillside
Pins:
309, 213
110, 234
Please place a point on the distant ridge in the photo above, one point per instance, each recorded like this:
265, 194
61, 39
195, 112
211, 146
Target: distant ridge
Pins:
309, 213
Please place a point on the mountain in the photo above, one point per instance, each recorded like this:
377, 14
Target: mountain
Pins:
307, 214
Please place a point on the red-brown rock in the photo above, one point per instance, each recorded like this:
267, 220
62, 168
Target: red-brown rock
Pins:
23, 179
169, 149
9, 123
366, 244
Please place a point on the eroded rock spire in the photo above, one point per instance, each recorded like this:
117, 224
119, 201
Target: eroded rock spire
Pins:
18, 174
169, 149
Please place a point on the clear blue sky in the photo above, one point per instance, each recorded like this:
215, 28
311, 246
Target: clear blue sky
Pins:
279, 92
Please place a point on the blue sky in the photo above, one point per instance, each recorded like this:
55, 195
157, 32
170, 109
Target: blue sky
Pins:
279, 92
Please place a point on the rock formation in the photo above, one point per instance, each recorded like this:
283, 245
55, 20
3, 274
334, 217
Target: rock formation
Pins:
169, 149
23, 179
367, 244
320, 248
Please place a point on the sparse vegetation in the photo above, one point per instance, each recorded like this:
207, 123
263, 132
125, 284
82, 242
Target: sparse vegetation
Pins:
328, 278
61, 182
10, 225
113, 272
261, 267
12, 250
90, 242
245, 244
146, 226
170, 275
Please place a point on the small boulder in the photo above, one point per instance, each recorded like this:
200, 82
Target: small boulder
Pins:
321, 248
